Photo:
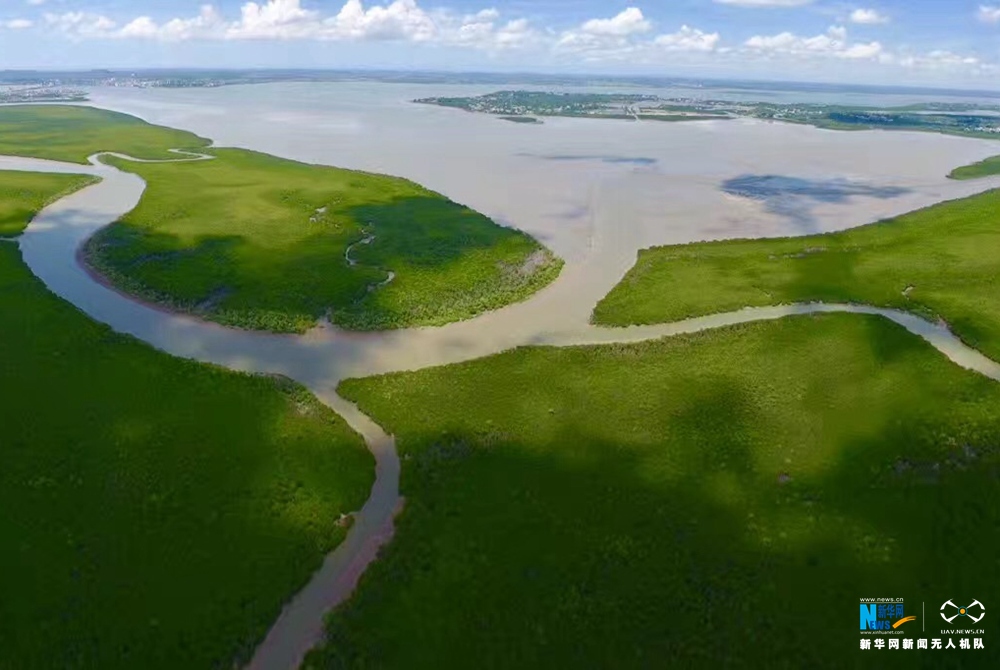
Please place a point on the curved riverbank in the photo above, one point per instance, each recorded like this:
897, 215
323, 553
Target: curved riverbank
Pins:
322, 358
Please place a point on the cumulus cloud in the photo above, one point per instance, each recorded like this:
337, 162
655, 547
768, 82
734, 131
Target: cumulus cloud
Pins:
989, 13
688, 39
832, 43
606, 38
626, 37
868, 17
208, 22
402, 20
629, 22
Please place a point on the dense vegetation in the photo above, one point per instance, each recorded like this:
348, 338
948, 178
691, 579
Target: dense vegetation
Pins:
68, 133
943, 261
984, 168
261, 242
156, 512
22, 194
630, 506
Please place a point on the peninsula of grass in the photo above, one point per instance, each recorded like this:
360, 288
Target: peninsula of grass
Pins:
653, 505
985, 168
23, 194
157, 512
72, 134
939, 262
259, 242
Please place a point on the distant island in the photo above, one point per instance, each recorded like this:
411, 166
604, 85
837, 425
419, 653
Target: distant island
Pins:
526, 105
966, 119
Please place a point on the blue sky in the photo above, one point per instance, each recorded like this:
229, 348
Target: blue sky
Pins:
953, 42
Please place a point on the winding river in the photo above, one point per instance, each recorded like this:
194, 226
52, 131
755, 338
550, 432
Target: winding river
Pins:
320, 359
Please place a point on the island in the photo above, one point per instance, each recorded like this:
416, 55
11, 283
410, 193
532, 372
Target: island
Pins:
966, 119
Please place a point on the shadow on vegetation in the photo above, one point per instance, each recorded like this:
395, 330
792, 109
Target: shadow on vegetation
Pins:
723, 540
449, 262
506, 557
157, 512
427, 231
793, 197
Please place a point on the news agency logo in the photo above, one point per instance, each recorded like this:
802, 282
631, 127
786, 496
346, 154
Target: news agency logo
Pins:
975, 611
883, 616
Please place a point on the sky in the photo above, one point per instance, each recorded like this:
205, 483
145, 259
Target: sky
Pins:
907, 42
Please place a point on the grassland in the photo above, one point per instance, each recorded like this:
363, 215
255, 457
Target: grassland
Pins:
655, 504
69, 133
259, 242
984, 168
22, 194
943, 261
156, 512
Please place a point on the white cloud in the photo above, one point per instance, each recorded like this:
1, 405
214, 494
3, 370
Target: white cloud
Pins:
868, 17
765, 3
989, 13
16, 24
36, 3
629, 22
276, 19
403, 19
208, 23
688, 39
81, 24
867, 51
482, 31
833, 43
603, 39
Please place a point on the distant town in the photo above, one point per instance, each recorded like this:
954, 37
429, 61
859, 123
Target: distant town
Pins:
21, 94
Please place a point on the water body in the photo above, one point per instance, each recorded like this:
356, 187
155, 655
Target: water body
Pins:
666, 184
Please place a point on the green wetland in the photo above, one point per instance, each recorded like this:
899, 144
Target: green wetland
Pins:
939, 262
621, 505
72, 134
157, 512
259, 242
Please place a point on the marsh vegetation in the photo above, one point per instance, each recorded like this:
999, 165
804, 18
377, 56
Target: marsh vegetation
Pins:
259, 242
72, 134
939, 262
615, 506
157, 512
